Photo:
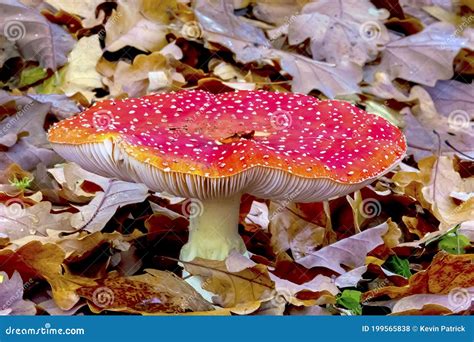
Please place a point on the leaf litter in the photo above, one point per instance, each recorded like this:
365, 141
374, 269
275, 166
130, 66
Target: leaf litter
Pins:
72, 242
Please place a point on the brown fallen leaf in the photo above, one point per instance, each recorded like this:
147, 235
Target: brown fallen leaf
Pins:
292, 230
242, 289
435, 185
351, 29
18, 220
407, 57
95, 215
249, 44
350, 252
144, 19
154, 292
35, 37
447, 274
45, 261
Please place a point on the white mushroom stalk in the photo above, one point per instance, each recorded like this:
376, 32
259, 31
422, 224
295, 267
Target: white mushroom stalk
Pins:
213, 229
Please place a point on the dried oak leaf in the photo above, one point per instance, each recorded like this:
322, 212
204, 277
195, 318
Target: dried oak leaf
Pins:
249, 44
145, 19
11, 296
79, 75
18, 220
453, 96
437, 187
152, 293
338, 30
45, 261
36, 38
242, 290
424, 58
27, 155
95, 215
292, 229
446, 274
61, 106
317, 291
350, 251
145, 74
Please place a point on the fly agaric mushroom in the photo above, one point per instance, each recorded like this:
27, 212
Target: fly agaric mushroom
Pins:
214, 148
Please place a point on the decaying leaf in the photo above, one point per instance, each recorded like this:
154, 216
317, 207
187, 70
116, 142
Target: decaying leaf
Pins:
447, 274
152, 293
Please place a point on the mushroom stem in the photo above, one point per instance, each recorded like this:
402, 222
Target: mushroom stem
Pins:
213, 230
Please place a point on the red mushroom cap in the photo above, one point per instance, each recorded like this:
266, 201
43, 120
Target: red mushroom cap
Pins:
249, 134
